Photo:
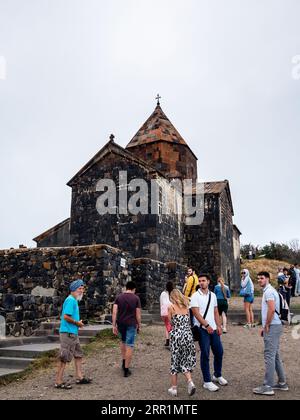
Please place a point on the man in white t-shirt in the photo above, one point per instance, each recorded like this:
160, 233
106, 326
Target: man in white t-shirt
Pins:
206, 316
272, 332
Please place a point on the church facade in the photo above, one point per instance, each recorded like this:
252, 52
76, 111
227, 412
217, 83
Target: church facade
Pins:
158, 155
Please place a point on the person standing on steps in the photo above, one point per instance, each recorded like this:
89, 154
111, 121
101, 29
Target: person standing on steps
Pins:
126, 321
69, 340
183, 351
247, 292
206, 316
223, 295
164, 310
272, 332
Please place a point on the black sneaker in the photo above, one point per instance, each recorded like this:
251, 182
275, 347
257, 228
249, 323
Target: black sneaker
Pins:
127, 373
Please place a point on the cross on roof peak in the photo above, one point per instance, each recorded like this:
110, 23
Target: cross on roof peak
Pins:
158, 98
112, 137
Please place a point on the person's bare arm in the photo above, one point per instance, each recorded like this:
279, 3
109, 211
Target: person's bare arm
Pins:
139, 318
70, 320
170, 310
114, 319
202, 321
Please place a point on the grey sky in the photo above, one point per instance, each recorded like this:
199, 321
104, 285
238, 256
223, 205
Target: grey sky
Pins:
78, 70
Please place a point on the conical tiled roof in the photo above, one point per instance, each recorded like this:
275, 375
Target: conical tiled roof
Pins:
157, 128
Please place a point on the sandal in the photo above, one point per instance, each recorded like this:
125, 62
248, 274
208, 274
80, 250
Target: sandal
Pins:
63, 386
83, 381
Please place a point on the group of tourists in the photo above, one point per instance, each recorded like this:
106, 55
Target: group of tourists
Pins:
289, 281
198, 314
194, 314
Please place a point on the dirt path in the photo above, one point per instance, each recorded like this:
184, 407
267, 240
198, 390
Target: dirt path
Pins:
243, 367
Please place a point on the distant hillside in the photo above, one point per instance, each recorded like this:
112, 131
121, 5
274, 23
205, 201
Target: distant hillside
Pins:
264, 264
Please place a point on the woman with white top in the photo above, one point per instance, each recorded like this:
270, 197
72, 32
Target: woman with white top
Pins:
164, 310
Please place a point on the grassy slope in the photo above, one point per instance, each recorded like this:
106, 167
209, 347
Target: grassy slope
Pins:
264, 264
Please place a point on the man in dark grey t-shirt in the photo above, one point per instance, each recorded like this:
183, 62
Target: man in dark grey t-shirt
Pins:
127, 322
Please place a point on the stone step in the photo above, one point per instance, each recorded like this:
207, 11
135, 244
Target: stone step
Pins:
56, 339
7, 372
12, 341
28, 350
15, 362
147, 318
17, 353
90, 331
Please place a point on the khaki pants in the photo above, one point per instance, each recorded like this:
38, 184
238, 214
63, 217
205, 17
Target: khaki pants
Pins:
70, 348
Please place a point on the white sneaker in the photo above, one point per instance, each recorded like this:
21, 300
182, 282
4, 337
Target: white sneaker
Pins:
191, 388
221, 381
172, 392
210, 386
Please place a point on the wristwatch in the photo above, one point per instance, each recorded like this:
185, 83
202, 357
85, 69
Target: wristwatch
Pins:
206, 326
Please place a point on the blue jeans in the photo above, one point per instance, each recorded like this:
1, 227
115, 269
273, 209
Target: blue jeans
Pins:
213, 342
127, 334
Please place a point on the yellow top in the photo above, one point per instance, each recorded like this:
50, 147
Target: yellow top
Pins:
191, 285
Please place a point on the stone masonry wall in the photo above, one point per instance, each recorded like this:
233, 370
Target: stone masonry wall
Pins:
228, 262
202, 243
35, 282
142, 235
151, 278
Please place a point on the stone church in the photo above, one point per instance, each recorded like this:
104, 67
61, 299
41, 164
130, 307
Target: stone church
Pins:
157, 152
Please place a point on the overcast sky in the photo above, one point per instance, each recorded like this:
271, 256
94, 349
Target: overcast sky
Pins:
78, 70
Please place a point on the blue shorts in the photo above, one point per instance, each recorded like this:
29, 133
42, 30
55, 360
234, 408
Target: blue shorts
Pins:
249, 299
127, 334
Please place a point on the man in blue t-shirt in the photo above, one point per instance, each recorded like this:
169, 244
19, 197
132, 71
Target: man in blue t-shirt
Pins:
69, 340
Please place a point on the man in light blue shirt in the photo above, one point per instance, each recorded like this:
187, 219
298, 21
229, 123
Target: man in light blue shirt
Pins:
71, 309
272, 332
69, 340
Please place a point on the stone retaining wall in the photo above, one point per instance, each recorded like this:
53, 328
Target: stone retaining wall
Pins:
35, 282
151, 278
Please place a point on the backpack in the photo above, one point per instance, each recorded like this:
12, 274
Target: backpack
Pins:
284, 311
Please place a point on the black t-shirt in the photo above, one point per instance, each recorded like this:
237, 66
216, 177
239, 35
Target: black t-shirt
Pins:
127, 306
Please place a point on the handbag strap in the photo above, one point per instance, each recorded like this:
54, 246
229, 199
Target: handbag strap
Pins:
208, 305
